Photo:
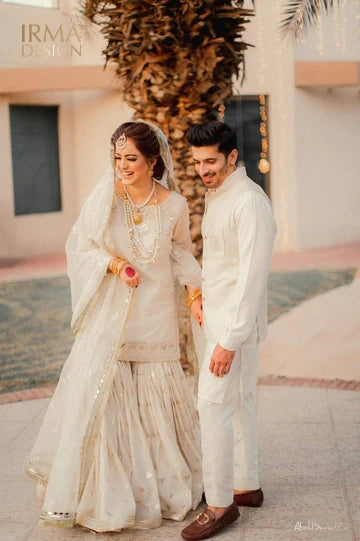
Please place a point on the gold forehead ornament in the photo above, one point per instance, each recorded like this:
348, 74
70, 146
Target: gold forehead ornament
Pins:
121, 142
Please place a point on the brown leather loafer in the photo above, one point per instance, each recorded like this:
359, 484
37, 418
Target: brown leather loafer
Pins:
206, 525
253, 498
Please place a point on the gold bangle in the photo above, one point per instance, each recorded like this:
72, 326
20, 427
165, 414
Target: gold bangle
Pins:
113, 265
120, 266
193, 292
117, 265
193, 296
192, 299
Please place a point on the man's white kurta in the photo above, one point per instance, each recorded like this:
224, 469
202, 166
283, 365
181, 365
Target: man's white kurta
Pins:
238, 231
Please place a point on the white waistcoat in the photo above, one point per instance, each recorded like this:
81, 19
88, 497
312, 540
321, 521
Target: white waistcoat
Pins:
238, 231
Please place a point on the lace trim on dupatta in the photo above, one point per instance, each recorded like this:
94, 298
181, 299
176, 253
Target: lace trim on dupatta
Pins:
100, 401
36, 475
64, 519
113, 525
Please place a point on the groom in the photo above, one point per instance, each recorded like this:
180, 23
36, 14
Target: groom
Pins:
238, 232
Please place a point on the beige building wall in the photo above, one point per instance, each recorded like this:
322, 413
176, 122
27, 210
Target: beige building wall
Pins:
86, 121
327, 137
97, 114
327, 176
36, 234
13, 17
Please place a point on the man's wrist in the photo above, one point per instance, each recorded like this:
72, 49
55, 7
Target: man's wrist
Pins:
228, 345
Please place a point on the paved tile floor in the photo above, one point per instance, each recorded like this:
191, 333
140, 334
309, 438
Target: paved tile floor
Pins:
309, 451
309, 461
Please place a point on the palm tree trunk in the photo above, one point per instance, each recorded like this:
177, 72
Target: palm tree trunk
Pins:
176, 61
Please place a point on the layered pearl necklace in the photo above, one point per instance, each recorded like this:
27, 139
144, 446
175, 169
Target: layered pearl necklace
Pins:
137, 248
136, 211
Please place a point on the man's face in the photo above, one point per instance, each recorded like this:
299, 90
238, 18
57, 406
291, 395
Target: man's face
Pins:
212, 166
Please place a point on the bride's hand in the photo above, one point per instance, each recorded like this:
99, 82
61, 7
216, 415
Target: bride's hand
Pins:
196, 310
132, 281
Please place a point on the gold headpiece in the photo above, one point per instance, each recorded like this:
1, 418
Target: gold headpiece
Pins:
121, 142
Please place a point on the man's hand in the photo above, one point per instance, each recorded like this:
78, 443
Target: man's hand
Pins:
220, 361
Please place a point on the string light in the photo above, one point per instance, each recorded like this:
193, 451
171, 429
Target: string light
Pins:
238, 111
319, 29
221, 112
300, 23
263, 165
260, 45
343, 27
336, 24
282, 176
358, 20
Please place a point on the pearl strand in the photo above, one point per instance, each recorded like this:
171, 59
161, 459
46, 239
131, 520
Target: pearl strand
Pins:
144, 203
137, 216
135, 248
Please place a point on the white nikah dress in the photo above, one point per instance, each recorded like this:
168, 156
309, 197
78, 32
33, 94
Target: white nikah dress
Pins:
131, 456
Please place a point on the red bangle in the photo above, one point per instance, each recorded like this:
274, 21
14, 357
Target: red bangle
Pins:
130, 272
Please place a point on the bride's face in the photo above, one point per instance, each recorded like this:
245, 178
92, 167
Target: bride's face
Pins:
132, 166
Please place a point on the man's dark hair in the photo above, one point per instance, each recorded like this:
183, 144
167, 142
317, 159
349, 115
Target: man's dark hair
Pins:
213, 133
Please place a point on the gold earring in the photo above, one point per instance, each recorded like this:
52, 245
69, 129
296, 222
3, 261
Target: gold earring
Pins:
151, 172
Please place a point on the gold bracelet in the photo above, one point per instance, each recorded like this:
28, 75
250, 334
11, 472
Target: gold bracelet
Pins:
120, 266
193, 296
113, 264
194, 292
190, 300
117, 265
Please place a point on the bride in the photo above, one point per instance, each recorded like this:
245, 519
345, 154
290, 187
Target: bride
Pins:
119, 446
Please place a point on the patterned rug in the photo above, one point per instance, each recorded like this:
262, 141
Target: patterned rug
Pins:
35, 315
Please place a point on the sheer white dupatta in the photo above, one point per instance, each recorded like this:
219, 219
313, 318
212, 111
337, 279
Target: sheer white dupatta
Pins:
62, 455
63, 450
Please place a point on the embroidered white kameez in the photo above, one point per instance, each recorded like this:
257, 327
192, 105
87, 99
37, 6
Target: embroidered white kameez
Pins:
151, 332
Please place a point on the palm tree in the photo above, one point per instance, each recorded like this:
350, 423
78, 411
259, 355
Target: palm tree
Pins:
176, 61
299, 15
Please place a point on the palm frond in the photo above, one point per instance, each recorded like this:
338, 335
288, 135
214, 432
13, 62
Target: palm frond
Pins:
300, 15
173, 58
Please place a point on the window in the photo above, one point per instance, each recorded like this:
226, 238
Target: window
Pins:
35, 158
243, 115
35, 3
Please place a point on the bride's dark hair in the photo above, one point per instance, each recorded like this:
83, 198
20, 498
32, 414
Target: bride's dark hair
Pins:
145, 141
